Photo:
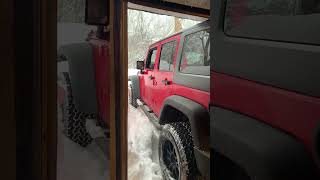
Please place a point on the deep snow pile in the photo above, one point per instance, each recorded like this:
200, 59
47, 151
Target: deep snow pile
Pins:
75, 162
132, 72
140, 154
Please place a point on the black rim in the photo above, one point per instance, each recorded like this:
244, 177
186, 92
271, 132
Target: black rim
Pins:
170, 159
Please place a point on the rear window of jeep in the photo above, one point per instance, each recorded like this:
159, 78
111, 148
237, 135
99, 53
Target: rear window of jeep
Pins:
281, 20
195, 57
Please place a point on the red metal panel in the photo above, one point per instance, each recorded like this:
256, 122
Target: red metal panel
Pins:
101, 59
296, 114
195, 95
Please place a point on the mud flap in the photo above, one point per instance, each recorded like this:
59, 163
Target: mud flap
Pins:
155, 146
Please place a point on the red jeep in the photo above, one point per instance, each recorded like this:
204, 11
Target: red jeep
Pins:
265, 90
173, 88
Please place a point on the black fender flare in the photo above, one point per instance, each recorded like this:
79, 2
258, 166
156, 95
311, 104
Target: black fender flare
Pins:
264, 152
82, 75
135, 85
197, 115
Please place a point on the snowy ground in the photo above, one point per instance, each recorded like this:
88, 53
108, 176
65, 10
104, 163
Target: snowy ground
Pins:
91, 163
77, 163
68, 33
142, 155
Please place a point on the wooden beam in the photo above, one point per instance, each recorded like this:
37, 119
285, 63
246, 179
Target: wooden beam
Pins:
44, 97
118, 85
35, 88
173, 7
123, 63
204, 4
48, 87
112, 91
7, 91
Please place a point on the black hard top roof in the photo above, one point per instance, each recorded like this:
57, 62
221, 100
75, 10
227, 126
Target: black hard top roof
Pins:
202, 24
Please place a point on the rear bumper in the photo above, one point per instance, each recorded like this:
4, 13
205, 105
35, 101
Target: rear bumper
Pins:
264, 152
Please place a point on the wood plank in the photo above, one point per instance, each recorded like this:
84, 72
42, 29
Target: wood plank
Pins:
7, 92
204, 4
164, 12
35, 88
44, 124
124, 89
173, 7
112, 91
48, 71
119, 89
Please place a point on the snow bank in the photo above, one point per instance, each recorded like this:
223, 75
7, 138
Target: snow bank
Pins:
68, 33
132, 72
140, 163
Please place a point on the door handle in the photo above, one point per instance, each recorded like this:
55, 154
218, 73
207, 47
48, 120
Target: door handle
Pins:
151, 77
165, 82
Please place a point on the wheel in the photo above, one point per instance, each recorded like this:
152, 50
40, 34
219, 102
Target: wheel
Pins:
74, 122
133, 98
176, 156
134, 90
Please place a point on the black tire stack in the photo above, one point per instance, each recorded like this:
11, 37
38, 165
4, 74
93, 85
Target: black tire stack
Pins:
74, 121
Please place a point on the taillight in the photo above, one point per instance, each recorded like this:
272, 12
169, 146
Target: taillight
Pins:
318, 144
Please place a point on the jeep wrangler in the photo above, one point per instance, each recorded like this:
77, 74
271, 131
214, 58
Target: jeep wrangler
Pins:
173, 89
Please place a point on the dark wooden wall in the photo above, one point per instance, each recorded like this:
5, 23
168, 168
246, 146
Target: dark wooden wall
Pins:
30, 88
7, 97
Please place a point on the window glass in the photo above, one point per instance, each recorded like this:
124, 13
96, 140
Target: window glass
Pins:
151, 59
167, 55
196, 54
282, 20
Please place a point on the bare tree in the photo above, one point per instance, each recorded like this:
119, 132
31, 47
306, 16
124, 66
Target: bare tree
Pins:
71, 11
146, 28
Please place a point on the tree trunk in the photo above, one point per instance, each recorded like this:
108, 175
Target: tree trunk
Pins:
177, 24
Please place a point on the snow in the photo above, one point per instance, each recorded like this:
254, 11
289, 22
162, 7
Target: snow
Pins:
75, 162
142, 158
133, 72
68, 33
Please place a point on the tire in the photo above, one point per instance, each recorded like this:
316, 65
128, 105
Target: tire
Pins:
177, 136
134, 97
74, 122
135, 90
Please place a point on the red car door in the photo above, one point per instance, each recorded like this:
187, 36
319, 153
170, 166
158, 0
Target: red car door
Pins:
164, 72
148, 77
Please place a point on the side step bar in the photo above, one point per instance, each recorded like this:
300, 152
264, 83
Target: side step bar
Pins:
151, 116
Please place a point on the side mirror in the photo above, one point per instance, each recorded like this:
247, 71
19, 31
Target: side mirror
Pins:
97, 12
140, 65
